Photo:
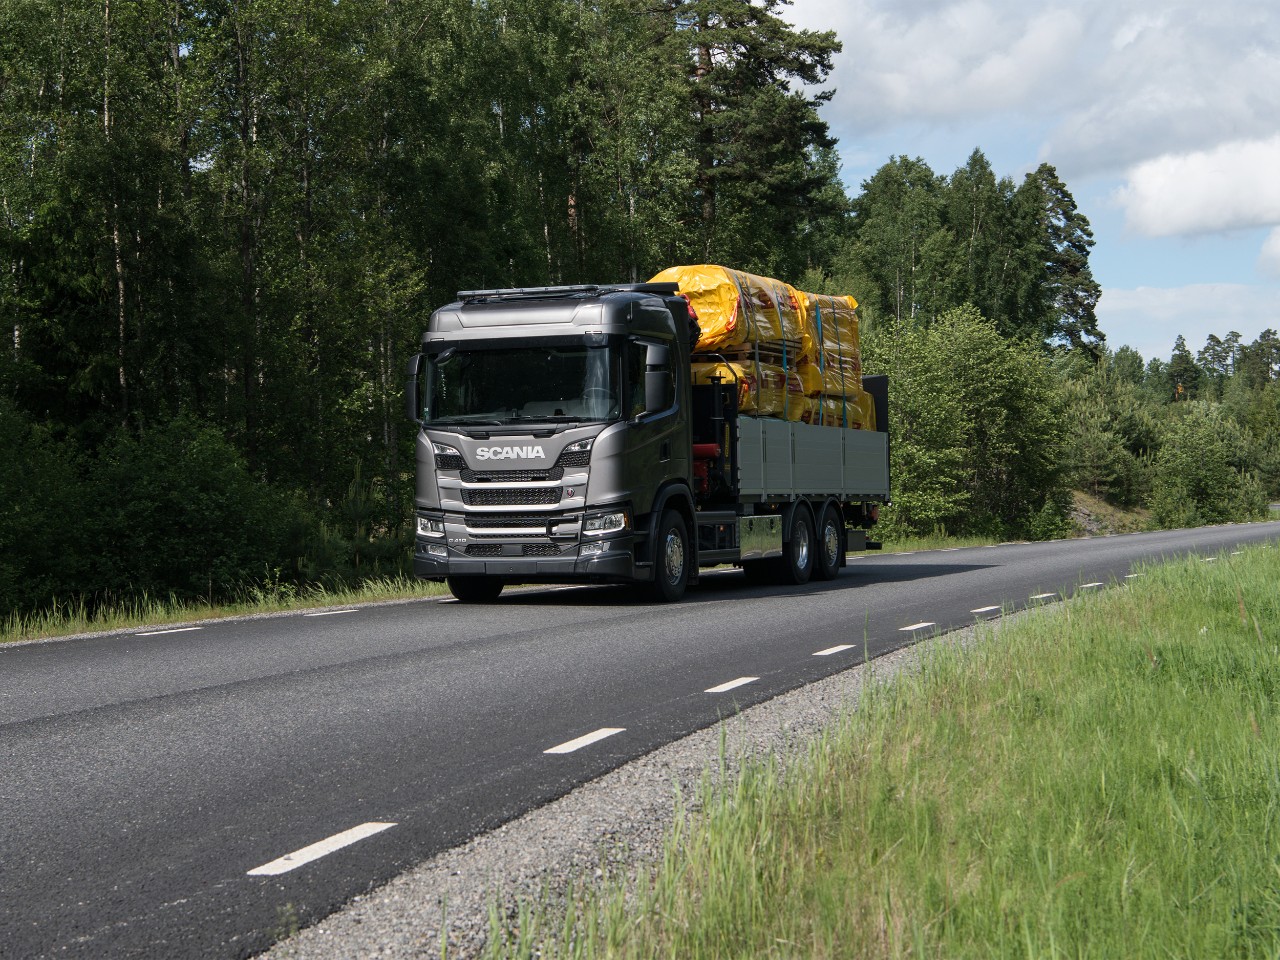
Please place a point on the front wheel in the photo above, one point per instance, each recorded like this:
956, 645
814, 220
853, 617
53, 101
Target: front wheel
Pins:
475, 589
826, 565
671, 560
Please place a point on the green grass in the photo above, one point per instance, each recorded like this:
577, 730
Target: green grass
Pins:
937, 542
1099, 780
72, 618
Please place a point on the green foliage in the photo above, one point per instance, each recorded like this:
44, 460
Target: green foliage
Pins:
1202, 471
977, 430
42, 516
177, 512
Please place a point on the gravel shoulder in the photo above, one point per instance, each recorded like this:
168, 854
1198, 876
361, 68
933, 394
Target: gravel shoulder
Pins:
614, 824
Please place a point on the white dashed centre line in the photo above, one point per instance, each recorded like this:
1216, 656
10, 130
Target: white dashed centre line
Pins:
917, 626
585, 740
840, 648
329, 613
291, 861
985, 609
731, 685
157, 633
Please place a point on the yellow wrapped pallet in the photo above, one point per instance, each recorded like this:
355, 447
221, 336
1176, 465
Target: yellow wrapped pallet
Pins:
834, 321
737, 309
764, 389
856, 411
830, 375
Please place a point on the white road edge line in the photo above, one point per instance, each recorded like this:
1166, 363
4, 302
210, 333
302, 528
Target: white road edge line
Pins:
291, 861
1130, 576
1042, 596
585, 740
1087, 586
985, 609
839, 648
156, 633
1208, 559
917, 626
329, 613
731, 685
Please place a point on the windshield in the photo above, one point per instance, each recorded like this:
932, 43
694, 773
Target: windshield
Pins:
547, 383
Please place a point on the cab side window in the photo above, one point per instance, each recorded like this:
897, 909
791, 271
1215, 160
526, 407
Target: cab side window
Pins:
636, 355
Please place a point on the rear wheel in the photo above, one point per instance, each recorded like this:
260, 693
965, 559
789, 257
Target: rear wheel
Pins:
671, 558
475, 589
798, 553
826, 563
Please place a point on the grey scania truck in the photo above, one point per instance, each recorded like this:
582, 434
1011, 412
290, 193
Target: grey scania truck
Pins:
561, 440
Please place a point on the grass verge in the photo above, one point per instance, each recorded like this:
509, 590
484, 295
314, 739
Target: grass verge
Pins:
1100, 780
73, 618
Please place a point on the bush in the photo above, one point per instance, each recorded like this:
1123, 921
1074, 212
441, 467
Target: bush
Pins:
41, 512
1200, 472
177, 512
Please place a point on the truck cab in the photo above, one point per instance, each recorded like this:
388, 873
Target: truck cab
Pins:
554, 437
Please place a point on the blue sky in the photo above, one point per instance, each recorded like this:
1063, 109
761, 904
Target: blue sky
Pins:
1162, 117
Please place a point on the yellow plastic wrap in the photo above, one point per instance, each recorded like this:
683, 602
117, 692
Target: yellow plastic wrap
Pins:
736, 308
838, 378
835, 326
764, 389
857, 411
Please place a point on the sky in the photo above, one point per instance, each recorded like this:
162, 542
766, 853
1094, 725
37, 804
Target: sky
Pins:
1162, 117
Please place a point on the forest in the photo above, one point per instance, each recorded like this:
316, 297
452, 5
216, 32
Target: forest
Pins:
223, 224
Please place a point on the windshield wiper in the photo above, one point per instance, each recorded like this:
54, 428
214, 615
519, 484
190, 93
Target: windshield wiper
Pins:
464, 421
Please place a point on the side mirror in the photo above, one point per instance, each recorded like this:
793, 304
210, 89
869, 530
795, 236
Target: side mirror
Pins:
659, 387
411, 389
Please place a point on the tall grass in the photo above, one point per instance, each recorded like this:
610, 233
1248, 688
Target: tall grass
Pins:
1102, 780
65, 619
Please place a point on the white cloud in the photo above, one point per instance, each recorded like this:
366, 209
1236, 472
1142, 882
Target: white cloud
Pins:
1115, 82
1269, 259
1150, 319
1232, 186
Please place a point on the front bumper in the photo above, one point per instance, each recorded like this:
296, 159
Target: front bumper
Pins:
616, 564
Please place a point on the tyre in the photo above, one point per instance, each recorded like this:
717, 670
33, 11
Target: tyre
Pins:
475, 589
671, 558
830, 544
798, 553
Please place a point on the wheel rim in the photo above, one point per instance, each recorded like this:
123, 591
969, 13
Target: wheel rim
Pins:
673, 552
802, 545
831, 542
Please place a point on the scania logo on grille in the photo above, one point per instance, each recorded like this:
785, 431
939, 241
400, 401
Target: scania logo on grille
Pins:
509, 453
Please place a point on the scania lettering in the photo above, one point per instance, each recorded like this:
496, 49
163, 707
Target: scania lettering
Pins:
562, 440
509, 453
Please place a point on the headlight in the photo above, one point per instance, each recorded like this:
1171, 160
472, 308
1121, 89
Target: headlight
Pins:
582, 446
430, 527
599, 524
444, 450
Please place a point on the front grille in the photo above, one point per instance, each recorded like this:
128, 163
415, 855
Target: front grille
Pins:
541, 550
511, 496
579, 458
484, 550
447, 461
511, 476
489, 521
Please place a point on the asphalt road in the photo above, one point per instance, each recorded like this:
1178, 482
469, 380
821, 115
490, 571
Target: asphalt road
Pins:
151, 782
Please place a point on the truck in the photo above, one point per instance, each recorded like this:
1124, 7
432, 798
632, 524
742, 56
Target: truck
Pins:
561, 439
